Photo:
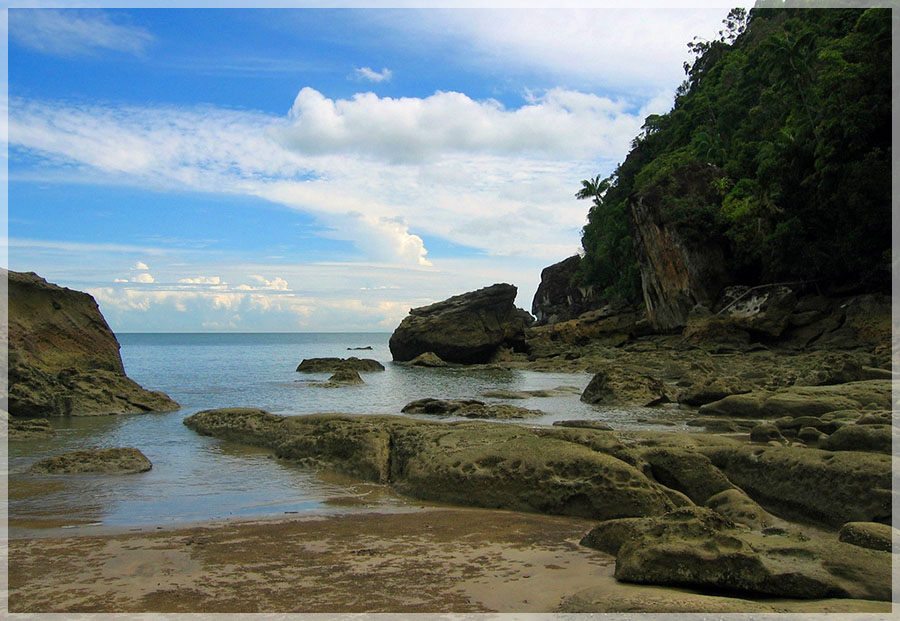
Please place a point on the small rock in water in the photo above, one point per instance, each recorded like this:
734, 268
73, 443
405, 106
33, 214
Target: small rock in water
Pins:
95, 461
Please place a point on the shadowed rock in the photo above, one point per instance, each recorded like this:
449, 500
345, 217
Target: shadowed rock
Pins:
63, 358
333, 365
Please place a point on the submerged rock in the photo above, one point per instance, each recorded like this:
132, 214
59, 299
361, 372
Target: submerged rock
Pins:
467, 328
428, 359
333, 365
346, 377
468, 408
63, 358
125, 460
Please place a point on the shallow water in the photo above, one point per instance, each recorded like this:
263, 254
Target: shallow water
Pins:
198, 478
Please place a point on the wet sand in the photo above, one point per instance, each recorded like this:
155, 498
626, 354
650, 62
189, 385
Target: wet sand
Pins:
435, 560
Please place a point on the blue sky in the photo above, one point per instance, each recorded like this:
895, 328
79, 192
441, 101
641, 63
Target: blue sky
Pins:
313, 170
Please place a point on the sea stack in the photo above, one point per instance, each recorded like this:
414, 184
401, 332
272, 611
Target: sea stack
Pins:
64, 359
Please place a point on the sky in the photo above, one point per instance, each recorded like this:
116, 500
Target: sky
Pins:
306, 170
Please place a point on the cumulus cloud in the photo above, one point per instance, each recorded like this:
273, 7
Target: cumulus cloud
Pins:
75, 32
202, 280
386, 174
366, 73
143, 277
140, 265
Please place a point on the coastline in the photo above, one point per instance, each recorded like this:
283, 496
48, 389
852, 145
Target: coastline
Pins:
432, 560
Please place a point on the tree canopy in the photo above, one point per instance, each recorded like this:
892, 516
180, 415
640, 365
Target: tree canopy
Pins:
791, 109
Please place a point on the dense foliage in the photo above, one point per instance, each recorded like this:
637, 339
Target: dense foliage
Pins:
789, 112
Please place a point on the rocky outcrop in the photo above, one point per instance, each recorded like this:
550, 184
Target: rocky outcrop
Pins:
700, 548
678, 272
617, 386
334, 365
28, 429
467, 328
63, 358
558, 298
95, 461
493, 465
468, 408
871, 535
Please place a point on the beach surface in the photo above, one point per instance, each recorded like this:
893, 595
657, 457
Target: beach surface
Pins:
434, 560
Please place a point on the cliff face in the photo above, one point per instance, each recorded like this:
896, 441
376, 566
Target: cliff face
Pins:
677, 272
63, 358
557, 298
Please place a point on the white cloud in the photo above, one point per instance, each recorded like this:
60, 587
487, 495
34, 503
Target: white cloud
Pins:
202, 280
143, 277
140, 265
75, 32
368, 74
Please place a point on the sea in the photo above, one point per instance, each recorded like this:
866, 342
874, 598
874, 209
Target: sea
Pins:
197, 479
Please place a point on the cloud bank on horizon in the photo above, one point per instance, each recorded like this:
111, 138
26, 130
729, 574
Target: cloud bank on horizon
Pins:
297, 188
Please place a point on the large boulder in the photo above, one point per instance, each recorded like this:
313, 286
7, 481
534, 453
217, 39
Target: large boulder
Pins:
64, 359
617, 386
558, 298
467, 328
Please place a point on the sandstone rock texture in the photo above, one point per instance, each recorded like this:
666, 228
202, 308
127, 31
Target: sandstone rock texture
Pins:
468, 328
95, 461
468, 408
558, 298
63, 358
333, 365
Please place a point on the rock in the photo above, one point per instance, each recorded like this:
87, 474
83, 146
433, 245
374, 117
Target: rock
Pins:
367, 347
529, 394
833, 368
346, 377
558, 298
714, 334
738, 507
802, 400
699, 548
678, 270
865, 322
710, 389
871, 535
811, 436
469, 463
28, 428
882, 417
614, 386
333, 365
428, 359
95, 461
63, 358
468, 408
761, 311
875, 438
794, 423
810, 484
467, 328
767, 432
686, 471
722, 425
609, 326
583, 424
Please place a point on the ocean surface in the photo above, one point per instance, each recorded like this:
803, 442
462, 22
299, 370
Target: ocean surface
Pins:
196, 478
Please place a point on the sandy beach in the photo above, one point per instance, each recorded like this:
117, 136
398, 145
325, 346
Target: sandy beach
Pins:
435, 560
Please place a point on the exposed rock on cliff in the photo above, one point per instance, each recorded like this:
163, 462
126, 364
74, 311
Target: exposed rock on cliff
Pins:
467, 328
677, 272
557, 297
63, 358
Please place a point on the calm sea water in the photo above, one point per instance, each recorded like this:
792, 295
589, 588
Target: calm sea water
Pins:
198, 478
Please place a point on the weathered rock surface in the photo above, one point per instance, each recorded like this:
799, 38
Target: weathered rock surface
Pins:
346, 377
333, 365
700, 548
428, 359
875, 438
870, 535
797, 401
528, 394
808, 483
125, 460
467, 328
583, 424
558, 298
28, 428
468, 408
63, 358
468, 463
616, 386
677, 272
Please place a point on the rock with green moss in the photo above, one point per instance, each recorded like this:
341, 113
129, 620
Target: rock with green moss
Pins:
124, 460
